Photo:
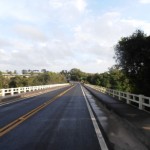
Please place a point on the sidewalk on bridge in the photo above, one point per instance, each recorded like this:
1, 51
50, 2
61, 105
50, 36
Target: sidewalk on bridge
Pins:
137, 119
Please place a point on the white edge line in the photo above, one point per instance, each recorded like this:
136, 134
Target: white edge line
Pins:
95, 124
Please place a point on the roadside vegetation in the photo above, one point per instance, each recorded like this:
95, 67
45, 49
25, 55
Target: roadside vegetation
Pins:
40, 79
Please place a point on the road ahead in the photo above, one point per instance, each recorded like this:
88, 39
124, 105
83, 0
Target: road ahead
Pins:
64, 124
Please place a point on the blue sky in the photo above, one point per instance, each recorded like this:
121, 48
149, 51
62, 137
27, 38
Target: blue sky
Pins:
66, 34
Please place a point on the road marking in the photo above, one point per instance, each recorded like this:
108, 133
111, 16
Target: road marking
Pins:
101, 140
23, 118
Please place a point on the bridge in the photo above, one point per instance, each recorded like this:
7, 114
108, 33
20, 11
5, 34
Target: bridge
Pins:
73, 117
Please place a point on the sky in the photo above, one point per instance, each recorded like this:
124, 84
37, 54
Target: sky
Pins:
64, 34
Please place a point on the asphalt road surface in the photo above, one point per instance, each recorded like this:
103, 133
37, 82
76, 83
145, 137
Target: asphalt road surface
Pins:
49, 122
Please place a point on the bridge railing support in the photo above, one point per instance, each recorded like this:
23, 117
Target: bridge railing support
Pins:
13, 91
140, 101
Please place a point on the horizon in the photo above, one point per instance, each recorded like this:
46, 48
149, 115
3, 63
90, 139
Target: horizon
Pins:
40, 71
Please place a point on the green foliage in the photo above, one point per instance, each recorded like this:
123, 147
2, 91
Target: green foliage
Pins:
3, 81
18, 81
118, 80
33, 80
114, 79
133, 56
77, 75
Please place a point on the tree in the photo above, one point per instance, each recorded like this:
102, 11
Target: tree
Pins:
66, 74
1, 80
15, 72
15, 82
118, 79
133, 56
76, 74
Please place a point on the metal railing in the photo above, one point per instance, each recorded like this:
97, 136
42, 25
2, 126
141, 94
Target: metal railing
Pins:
19, 90
140, 101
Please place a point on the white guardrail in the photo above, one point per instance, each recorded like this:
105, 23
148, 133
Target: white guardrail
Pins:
19, 90
141, 101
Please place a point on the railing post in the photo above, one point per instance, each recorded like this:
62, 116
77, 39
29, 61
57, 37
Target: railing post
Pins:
12, 91
127, 98
24, 90
119, 96
3, 92
109, 92
29, 89
33, 88
140, 102
113, 93
19, 90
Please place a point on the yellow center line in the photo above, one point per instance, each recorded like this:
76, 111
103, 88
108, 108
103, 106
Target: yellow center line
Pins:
21, 119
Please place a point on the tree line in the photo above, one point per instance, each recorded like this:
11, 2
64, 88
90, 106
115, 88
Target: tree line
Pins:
114, 78
40, 79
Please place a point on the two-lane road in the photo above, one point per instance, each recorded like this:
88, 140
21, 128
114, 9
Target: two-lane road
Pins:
64, 124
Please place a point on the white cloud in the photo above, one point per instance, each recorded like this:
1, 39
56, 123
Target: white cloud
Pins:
4, 43
56, 4
138, 24
18, 10
30, 32
67, 11
144, 1
81, 5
